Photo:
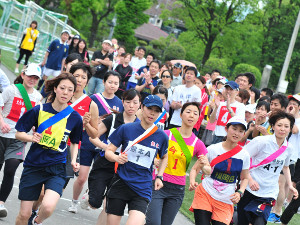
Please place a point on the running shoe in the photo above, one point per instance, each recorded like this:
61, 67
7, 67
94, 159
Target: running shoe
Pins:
73, 206
33, 215
273, 218
17, 70
84, 203
3, 211
298, 210
35, 223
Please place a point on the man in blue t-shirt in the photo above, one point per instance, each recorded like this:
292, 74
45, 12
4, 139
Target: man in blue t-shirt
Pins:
55, 57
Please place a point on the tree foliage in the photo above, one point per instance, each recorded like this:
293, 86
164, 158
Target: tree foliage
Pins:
215, 63
174, 51
130, 15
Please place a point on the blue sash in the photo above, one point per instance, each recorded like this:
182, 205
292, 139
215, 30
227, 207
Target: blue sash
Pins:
161, 116
54, 119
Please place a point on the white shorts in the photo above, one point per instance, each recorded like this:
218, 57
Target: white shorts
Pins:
50, 72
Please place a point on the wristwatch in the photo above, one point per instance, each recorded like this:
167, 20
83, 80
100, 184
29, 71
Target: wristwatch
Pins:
160, 177
240, 192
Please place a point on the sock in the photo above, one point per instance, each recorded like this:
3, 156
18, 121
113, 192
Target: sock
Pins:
75, 201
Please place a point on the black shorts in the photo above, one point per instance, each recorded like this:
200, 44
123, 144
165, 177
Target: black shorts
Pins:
119, 194
33, 179
296, 175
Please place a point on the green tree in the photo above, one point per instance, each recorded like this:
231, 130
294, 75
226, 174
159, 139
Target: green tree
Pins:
243, 68
215, 63
174, 51
97, 10
130, 15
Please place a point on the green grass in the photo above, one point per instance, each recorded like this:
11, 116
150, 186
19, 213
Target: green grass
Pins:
189, 196
7, 59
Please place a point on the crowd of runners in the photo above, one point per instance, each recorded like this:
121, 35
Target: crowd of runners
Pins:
129, 125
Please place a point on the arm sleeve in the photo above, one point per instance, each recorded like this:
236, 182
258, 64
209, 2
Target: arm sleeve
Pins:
76, 133
95, 56
111, 57
51, 46
7, 94
246, 161
28, 120
22, 40
200, 149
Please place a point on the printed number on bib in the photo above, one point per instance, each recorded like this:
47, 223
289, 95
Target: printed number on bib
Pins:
141, 155
224, 116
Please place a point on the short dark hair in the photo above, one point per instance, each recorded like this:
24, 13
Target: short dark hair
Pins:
72, 57
185, 105
256, 91
34, 22
171, 74
215, 71
263, 103
280, 114
192, 69
283, 100
131, 94
295, 100
265, 98
155, 61
244, 94
268, 91
142, 47
111, 73
82, 66
251, 77
159, 89
153, 56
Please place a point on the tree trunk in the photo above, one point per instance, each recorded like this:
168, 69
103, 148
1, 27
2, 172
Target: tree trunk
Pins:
94, 29
208, 49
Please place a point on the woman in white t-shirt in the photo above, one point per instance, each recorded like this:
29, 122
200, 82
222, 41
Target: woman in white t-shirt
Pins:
12, 151
215, 196
269, 155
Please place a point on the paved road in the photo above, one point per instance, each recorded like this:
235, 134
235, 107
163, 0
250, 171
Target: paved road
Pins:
61, 215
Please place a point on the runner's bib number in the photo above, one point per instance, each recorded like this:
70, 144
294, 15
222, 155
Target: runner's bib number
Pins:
141, 155
17, 109
224, 116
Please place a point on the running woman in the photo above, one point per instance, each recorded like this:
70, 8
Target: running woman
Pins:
17, 99
183, 145
104, 170
132, 184
215, 196
45, 160
106, 102
269, 155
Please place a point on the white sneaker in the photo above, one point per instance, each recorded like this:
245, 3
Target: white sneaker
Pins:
35, 223
3, 211
298, 210
17, 70
84, 203
73, 206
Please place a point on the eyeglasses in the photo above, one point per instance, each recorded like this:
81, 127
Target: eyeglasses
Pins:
165, 76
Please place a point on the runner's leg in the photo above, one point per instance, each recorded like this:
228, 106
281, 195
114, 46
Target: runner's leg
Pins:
135, 218
80, 181
24, 213
102, 218
202, 217
113, 219
154, 211
281, 196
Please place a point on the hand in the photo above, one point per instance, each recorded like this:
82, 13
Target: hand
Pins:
235, 198
217, 102
122, 158
86, 59
212, 105
43, 64
5, 128
228, 101
254, 186
36, 137
178, 105
86, 118
203, 160
76, 166
295, 192
145, 70
193, 185
158, 184
251, 127
262, 130
156, 162
291, 109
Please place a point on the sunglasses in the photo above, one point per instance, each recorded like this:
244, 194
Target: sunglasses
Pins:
165, 76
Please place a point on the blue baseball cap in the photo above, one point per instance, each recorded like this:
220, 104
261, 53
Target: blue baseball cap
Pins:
232, 84
153, 100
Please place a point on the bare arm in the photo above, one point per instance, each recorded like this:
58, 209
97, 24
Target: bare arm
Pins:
74, 153
96, 141
236, 197
5, 128
201, 164
161, 168
92, 126
112, 157
140, 87
23, 136
287, 175
45, 59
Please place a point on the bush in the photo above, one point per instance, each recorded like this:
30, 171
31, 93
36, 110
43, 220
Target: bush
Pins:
243, 68
215, 63
174, 51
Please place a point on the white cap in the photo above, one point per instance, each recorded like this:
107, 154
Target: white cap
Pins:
237, 120
66, 31
108, 42
250, 108
33, 69
296, 96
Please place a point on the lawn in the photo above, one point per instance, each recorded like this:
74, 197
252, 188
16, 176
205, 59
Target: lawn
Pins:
188, 198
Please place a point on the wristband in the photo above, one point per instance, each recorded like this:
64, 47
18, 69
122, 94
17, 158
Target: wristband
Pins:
240, 192
160, 177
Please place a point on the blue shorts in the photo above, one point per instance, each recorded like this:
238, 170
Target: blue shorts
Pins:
33, 179
87, 157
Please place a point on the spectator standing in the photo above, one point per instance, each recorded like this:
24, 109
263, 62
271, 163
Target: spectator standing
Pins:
74, 43
102, 60
177, 79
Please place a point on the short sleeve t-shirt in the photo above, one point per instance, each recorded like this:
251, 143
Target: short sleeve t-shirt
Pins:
222, 182
101, 69
114, 103
54, 139
14, 107
267, 175
57, 52
295, 141
223, 116
135, 173
184, 94
176, 169
136, 64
